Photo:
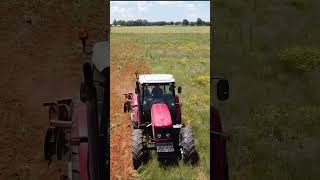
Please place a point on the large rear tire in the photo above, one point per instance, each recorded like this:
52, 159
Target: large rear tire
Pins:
187, 144
137, 147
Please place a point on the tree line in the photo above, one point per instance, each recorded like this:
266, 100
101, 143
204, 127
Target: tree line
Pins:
143, 22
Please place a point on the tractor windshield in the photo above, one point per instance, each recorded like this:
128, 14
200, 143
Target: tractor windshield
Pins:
159, 92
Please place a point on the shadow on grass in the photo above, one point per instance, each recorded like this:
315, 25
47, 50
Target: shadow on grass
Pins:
174, 162
168, 163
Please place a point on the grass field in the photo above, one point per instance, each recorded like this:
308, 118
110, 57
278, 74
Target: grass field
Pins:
183, 52
273, 110
160, 29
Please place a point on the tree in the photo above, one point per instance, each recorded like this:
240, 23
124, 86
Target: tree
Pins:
139, 22
144, 22
199, 22
185, 22
121, 22
130, 23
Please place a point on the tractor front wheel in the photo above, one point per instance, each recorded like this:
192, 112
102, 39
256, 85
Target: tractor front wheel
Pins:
137, 147
188, 151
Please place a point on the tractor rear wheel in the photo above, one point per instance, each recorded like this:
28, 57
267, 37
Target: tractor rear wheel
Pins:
137, 147
187, 144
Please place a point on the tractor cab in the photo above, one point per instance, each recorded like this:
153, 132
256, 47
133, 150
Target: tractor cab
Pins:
157, 89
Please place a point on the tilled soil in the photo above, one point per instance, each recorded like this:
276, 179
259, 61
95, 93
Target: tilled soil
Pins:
123, 69
39, 62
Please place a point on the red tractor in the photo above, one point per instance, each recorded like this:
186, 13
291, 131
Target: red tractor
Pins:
156, 118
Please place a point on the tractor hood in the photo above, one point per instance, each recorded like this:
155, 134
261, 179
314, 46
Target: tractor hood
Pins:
160, 116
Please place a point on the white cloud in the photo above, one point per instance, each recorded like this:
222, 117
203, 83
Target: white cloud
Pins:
190, 5
120, 12
192, 17
119, 3
170, 2
180, 4
157, 10
114, 8
143, 5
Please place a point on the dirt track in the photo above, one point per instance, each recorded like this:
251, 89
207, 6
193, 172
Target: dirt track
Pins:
39, 62
122, 80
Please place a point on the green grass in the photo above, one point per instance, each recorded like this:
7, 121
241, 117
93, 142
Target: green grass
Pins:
273, 110
186, 56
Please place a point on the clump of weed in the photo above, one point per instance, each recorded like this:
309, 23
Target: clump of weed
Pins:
194, 99
268, 121
203, 80
300, 59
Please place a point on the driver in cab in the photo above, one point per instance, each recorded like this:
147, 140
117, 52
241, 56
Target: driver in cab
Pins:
157, 92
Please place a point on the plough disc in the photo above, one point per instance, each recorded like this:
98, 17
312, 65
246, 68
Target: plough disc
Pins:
50, 143
60, 144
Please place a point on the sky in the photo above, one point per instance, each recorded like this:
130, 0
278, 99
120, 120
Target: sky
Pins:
160, 10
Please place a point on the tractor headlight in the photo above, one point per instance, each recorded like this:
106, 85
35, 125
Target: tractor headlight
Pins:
167, 135
158, 135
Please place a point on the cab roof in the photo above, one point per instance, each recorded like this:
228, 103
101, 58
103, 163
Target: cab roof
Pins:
155, 78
